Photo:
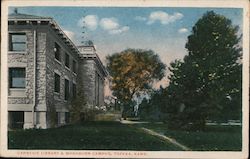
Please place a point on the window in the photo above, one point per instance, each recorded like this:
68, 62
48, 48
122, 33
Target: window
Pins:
17, 77
66, 89
58, 118
17, 42
16, 119
57, 83
67, 60
74, 66
57, 50
67, 117
97, 77
74, 90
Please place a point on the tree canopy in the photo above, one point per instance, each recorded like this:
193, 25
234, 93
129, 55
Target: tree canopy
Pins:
133, 73
209, 77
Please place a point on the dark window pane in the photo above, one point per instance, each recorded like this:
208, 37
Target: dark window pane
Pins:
74, 66
74, 90
57, 50
67, 117
58, 118
66, 90
17, 41
57, 83
16, 119
66, 60
17, 77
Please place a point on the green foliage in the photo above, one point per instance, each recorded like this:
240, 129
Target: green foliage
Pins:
208, 81
133, 72
78, 106
79, 110
153, 109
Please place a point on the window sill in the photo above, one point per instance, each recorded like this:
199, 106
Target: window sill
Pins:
57, 93
58, 61
17, 92
20, 96
18, 89
67, 68
17, 52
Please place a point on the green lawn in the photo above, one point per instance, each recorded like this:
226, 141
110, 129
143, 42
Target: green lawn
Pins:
227, 138
88, 136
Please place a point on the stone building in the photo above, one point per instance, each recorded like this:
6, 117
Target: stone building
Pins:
44, 66
93, 75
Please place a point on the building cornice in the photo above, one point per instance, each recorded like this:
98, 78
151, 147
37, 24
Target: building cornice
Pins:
97, 60
46, 21
52, 24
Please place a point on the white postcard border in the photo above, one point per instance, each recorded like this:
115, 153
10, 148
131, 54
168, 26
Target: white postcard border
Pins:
123, 154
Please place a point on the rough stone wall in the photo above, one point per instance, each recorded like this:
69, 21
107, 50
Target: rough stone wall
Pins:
47, 101
91, 77
41, 69
25, 60
101, 91
87, 76
100, 81
35, 45
55, 101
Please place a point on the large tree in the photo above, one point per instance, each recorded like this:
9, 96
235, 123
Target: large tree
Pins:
133, 73
208, 80
152, 109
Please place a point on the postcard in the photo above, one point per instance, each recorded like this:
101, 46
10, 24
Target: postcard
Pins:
125, 79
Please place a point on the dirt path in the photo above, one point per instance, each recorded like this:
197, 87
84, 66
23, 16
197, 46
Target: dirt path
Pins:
173, 141
132, 122
163, 137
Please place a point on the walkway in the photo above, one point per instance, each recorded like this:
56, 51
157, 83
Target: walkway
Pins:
133, 122
161, 136
168, 139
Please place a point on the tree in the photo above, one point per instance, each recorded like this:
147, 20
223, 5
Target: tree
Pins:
133, 72
78, 105
209, 78
152, 109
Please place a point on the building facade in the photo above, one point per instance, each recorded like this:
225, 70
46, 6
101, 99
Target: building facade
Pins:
44, 70
93, 75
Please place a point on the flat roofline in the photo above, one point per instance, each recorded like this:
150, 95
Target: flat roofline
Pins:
52, 23
30, 19
98, 60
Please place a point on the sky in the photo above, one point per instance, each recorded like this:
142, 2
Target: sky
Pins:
114, 29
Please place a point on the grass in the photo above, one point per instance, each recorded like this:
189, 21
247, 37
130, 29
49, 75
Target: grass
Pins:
88, 136
221, 138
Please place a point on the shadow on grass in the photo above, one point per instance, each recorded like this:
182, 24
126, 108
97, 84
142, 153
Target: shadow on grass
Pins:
88, 136
213, 138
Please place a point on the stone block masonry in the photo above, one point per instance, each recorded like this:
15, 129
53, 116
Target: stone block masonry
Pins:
44, 101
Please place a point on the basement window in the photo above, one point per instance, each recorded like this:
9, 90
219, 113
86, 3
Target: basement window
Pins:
16, 119
67, 117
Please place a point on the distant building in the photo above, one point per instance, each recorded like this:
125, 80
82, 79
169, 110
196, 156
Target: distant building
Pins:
93, 74
44, 66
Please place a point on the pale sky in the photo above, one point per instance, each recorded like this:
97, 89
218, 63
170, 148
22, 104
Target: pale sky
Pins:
113, 29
